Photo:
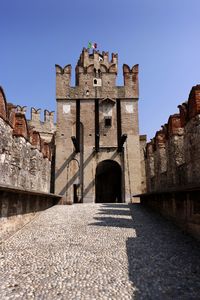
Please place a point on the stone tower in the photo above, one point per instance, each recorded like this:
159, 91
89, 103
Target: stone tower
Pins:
97, 138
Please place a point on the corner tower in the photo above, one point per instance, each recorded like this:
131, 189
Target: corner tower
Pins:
97, 138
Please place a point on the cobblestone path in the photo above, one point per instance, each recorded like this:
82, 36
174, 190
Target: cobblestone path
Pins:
99, 251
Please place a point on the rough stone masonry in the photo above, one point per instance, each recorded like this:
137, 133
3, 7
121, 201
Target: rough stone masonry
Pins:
173, 166
25, 159
98, 155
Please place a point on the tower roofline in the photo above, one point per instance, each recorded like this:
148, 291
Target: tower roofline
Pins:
87, 58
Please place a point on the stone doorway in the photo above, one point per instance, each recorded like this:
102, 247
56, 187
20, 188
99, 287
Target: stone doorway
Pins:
108, 182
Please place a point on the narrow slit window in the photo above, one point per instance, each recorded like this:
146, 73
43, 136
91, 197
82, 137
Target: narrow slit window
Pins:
108, 121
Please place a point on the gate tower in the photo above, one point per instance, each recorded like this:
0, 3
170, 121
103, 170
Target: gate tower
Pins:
97, 121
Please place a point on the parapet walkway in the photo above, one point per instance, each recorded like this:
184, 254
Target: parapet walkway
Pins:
100, 251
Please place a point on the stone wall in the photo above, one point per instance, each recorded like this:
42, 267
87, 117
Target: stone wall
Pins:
172, 161
18, 207
46, 128
101, 98
143, 139
25, 159
173, 156
181, 207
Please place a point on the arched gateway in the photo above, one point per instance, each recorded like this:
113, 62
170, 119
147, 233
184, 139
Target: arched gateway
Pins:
108, 182
86, 161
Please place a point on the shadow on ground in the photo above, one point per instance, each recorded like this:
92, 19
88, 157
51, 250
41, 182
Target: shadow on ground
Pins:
116, 210
163, 262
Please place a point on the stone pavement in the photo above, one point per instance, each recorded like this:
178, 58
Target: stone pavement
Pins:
99, 251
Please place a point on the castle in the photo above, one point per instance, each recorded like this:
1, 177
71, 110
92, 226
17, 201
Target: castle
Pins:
97, 136
94, 152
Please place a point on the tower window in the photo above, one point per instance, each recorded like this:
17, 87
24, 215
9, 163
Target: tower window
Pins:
108, 121
97, 82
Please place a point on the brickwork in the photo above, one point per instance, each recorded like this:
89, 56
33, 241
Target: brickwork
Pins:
96, 76
47, 127
25, 160
172, 163
172, 157
143, 171
3, 113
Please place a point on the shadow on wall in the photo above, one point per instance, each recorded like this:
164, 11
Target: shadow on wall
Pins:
75, 176
65, 164
163, 263
18, 207
15, 202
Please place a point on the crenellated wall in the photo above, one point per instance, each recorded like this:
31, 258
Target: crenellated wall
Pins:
46, 128
95, 99
25, 159
96, 66
143, 141
173, 156
172, 161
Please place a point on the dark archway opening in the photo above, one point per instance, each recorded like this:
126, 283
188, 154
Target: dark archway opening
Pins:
108, 182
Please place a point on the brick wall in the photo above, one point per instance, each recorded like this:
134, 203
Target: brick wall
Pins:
25, 159
92, 67
173, 167
173, 155
47, 127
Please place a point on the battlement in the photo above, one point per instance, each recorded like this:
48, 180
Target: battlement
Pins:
128, 70
3, 108
194, 101
179, 123
97, 59
66, 70
172, 156
96, 71
21, 109
14, 116
36, 116
183, 110
131, 80
47, 127
95, 65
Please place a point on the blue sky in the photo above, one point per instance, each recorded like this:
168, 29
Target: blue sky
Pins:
163, 36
